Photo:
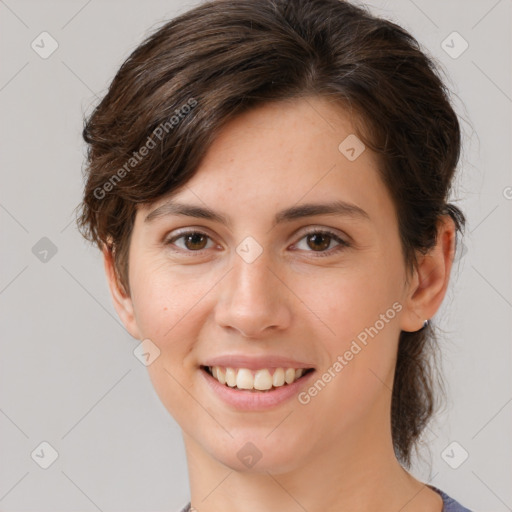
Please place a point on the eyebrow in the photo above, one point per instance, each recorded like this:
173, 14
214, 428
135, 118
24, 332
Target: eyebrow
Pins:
287, 215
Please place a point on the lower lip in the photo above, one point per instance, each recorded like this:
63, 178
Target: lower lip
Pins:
255, 400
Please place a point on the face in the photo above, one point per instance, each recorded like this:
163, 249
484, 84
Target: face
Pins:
245, 275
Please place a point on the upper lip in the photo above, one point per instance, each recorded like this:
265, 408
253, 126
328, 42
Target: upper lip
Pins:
255, 363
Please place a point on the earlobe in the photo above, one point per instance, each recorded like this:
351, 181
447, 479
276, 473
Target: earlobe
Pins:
121, 300
431, 278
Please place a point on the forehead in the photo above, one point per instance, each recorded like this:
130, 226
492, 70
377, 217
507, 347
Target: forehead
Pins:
284, 153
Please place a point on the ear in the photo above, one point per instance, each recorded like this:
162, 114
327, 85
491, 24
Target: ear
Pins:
122, 301
428, 287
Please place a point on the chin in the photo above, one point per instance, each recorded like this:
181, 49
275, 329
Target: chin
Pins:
257, 454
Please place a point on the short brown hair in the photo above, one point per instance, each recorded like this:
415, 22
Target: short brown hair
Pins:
224, 57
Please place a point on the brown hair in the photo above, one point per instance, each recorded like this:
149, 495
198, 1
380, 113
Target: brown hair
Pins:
198, 71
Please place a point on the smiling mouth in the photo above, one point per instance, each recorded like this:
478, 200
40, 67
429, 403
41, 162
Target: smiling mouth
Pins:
263, 380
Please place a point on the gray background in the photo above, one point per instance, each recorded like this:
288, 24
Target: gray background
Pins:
68, 375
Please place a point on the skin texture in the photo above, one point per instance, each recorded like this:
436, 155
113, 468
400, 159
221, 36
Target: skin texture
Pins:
334, 453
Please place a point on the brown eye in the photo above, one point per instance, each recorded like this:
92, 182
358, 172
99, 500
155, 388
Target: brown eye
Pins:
322, 243
190, 241
318, 241
195, 241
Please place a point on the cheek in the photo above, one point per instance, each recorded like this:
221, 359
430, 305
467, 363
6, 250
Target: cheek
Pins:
165, 297
357, 310
168, 309
349, 300
358, 368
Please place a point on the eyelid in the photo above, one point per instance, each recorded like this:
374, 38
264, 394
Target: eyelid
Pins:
325, 230
330, 232
168, 240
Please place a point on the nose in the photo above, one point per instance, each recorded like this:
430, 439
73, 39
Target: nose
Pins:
253, 300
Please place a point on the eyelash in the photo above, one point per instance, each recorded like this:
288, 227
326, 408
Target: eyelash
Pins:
318, 254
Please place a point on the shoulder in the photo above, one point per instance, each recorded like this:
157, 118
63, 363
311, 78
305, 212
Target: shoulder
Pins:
449, 504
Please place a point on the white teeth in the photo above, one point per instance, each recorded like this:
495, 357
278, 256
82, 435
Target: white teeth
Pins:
221, 376
289, 375
278, 377
261, 380
244, 379
230, 377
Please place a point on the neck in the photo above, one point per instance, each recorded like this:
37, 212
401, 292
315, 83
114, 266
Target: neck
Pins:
355, 475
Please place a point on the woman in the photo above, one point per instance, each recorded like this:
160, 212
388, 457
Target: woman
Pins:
268, 181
